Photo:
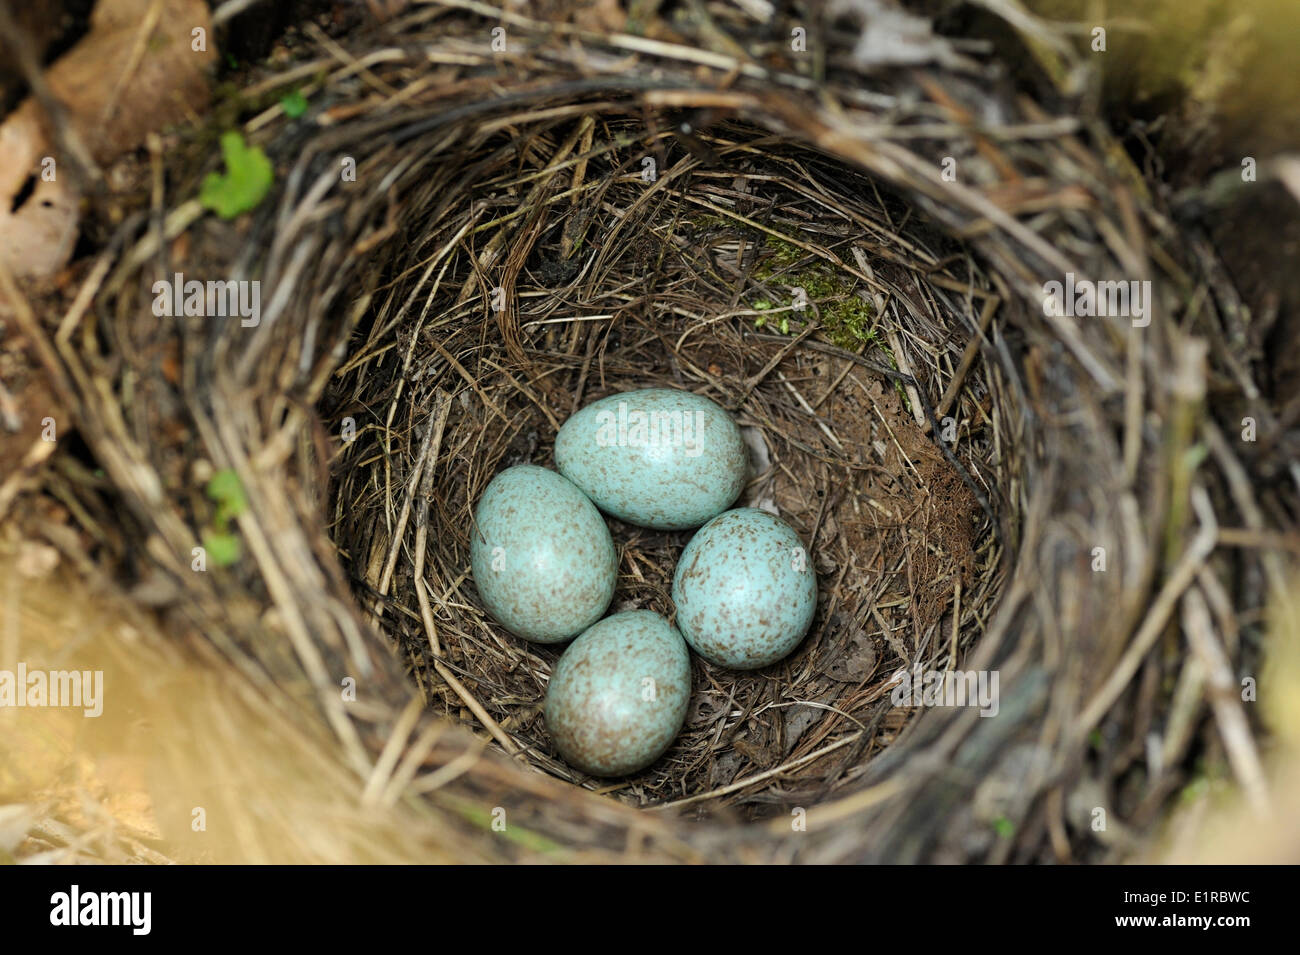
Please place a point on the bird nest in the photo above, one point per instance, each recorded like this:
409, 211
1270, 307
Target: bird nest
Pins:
485, 221
754, 270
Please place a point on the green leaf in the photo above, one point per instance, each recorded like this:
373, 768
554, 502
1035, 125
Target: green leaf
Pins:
244, 184
524, 837
785, 325
294, 105
225, 489
762, 304
223, 549
1004, 827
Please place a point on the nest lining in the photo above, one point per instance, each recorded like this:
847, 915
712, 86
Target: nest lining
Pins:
762, 274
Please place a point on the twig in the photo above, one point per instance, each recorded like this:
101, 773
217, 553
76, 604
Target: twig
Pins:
968, 357
760, 777
1223, 694
1157, 617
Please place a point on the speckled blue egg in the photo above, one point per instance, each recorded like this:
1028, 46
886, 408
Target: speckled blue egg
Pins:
542, 558
656, 457
745, 590
618, 695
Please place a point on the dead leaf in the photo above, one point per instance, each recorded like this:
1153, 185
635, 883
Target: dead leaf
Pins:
1288, 170
893, 37
136, 72
36, 561
856, 661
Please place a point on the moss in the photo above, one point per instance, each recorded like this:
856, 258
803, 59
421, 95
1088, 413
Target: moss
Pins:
846, 316
848, 319
850, 322
784, 253
780, 256
708, 222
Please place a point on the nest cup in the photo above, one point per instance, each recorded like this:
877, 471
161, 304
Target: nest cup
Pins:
743, 266
449, 272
